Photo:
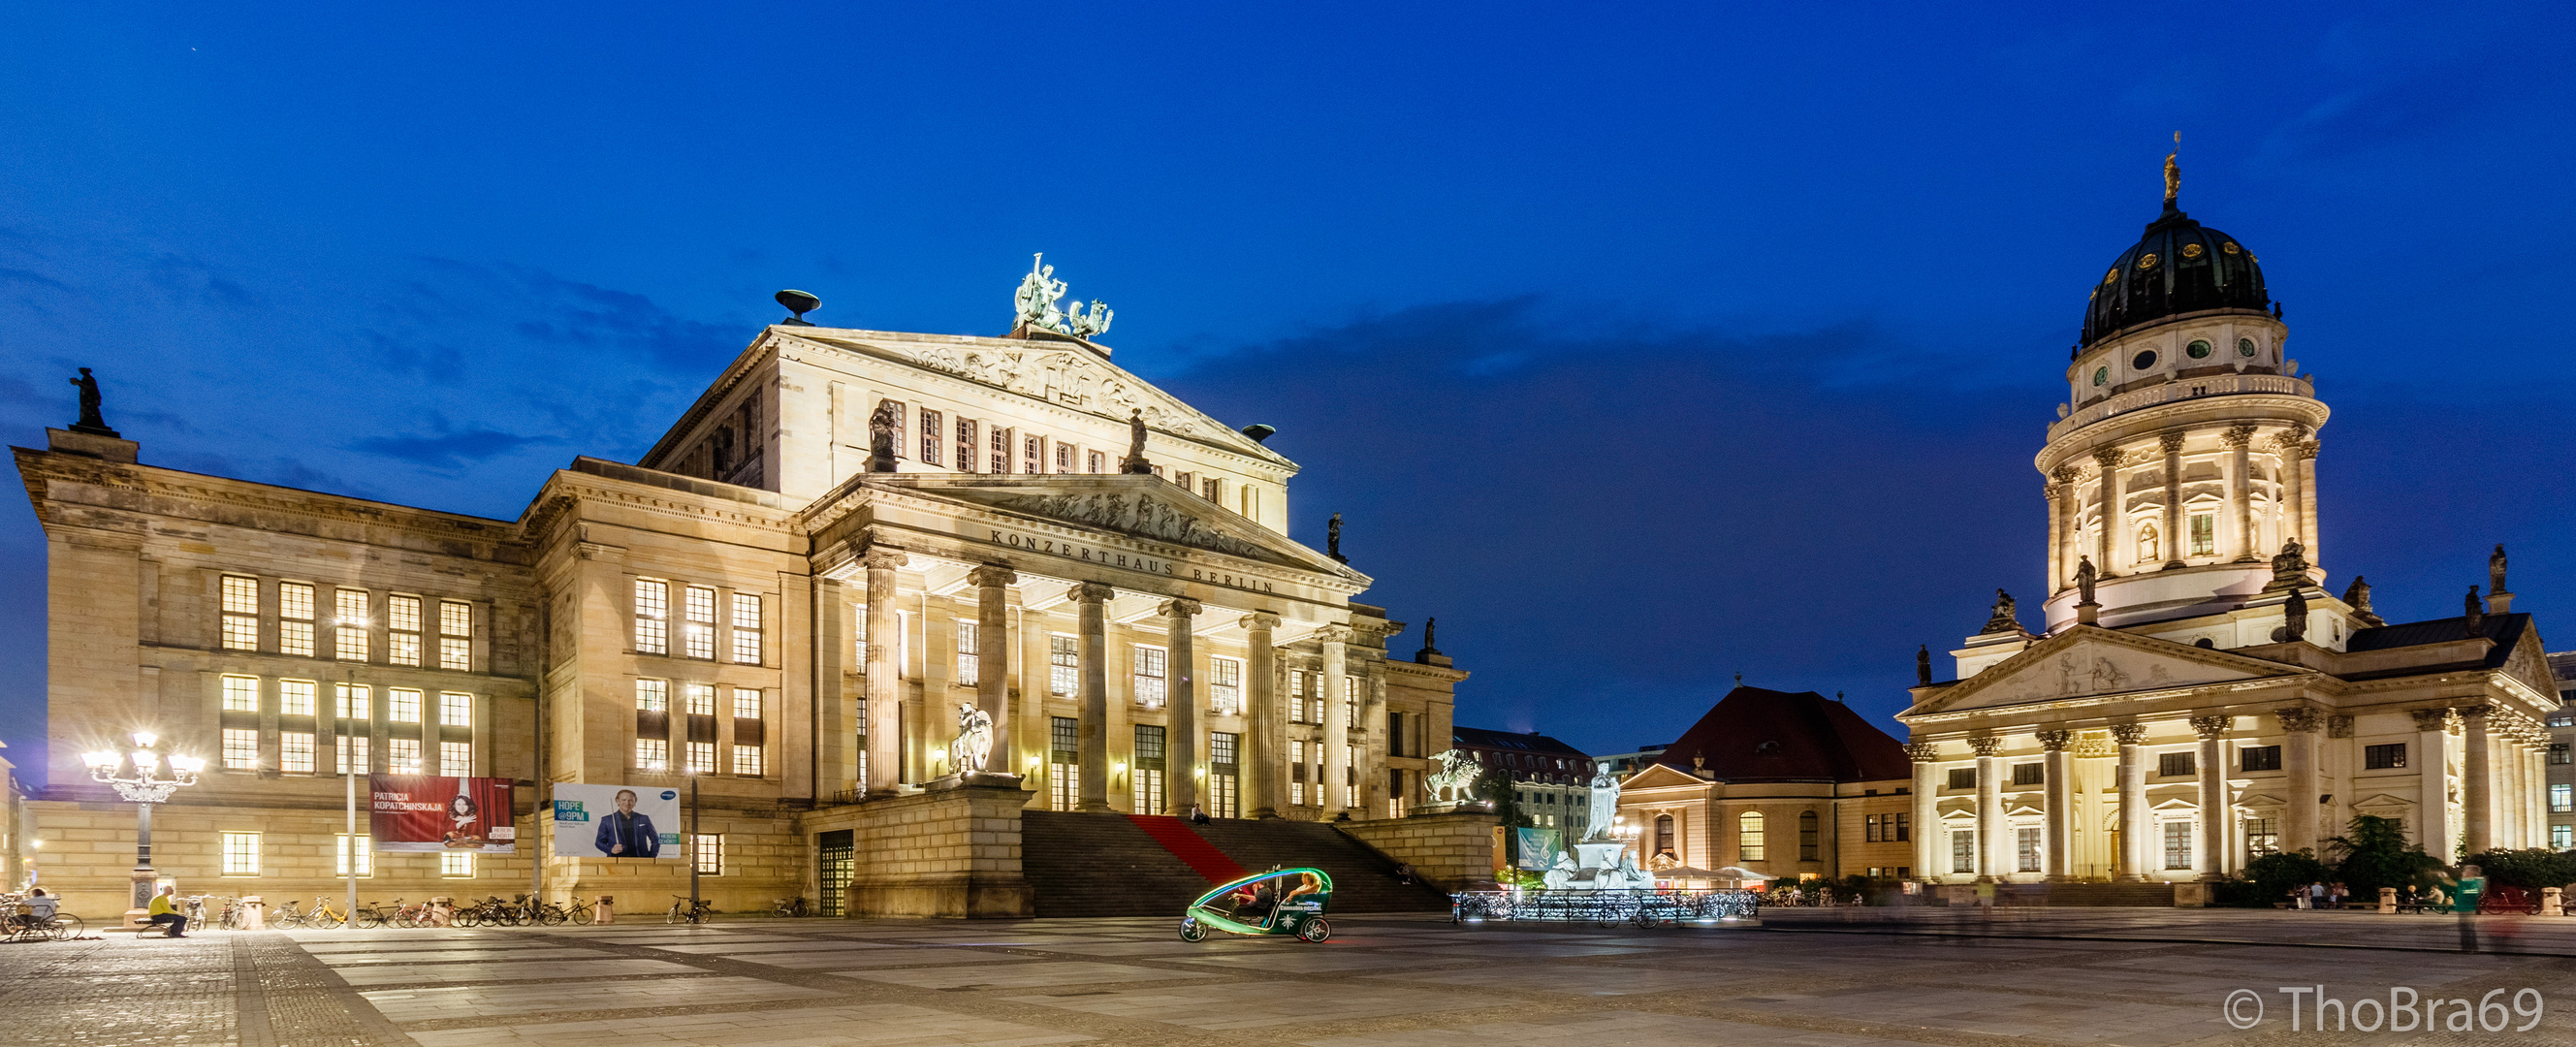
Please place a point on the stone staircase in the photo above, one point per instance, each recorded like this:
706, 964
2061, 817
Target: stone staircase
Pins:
1363, 880
1111, 865
2141, 895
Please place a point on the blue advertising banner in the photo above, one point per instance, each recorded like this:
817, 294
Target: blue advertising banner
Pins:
1537, 848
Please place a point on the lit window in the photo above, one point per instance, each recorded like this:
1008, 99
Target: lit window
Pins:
1297, 697
295, 697
652, 754
698, 629
402, 756
349, 627
859, 632
241, 694
708, 851
1225, 685
456, 759
702, 757
402, 705
2178, 845
652, 607
241, 854
1350, 701
746, 703
1296, 773
698, 699
1748, 836
933, 434
746, 628
2262, 837
241, 613
295, 752
652, 696
353, 754
2558, 753
2026, 849
455, 710
366, 851
402, 622
969, 664
456, 865
2560, 800
2204, 533
295, 618
455, 635
1150, 680
241, 749
1064, 667
746, 759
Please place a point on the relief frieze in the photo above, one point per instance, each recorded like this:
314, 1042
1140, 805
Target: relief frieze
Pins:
1125, 561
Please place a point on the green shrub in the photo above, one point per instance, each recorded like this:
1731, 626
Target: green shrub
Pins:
2373, 853
2271, 876
2530, 869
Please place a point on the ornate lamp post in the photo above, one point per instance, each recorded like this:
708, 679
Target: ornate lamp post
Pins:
144, 786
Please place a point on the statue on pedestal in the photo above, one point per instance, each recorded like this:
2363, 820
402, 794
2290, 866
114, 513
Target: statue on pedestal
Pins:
2006, 617
93, 423
1333, 539
2084, 576
882, 435
972, 749
1605, 804
2495, 563
1135, 461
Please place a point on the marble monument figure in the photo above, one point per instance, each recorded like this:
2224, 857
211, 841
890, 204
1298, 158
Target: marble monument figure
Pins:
972, 750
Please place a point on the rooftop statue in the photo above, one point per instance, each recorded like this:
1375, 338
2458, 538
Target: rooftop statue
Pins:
2006, 617
1333, 539
2495, 571
881, 435
2084, 580
1037, 300
90, 420
1135, 461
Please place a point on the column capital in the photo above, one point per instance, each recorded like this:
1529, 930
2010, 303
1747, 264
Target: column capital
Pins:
2338, 727
2431, 719
2054, 740
2211, 728
2239, 437
1989, 745
2129, 733
2475, 715
993, 576
2299, 719
1336, 634
2066, 473
1180, 609
1091, 592
2309, 449
1262, 620
2172, 441
1922, 752
2109, 457
883, 557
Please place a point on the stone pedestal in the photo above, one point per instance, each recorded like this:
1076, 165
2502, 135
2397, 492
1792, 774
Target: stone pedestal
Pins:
1450, 851
951, 850
144, 878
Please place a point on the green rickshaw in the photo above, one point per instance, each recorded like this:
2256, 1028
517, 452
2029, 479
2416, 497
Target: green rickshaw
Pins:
1281, 901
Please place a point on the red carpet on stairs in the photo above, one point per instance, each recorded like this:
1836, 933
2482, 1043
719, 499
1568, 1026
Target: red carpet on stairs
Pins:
1197, 853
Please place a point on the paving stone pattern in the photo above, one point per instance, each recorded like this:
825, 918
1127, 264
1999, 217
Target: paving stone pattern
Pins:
1808, 979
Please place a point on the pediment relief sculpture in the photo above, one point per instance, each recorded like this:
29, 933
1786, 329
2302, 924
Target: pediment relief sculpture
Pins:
2083, 668
1142, 515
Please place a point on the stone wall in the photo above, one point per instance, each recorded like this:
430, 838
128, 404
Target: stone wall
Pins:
1451, 850
952, 851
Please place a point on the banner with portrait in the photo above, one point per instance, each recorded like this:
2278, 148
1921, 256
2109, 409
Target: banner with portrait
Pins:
617, 821
422, 812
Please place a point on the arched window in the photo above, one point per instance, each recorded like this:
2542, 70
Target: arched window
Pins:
1664, 834
1807, 836
1748, 836
2147, 552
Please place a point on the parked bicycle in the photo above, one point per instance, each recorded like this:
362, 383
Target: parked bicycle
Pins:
682, 911
789, 907
581, 911
19, 922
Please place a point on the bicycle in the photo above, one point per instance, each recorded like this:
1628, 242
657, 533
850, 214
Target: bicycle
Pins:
324, 917
287, 917
682, 911
789, 908
581, 912
18, 921
369, 917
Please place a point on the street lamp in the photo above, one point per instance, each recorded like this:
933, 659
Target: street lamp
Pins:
143, 786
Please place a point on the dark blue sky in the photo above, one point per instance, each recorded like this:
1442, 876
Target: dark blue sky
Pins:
1643, 345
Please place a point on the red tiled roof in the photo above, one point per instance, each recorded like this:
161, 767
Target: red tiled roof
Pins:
1755, 735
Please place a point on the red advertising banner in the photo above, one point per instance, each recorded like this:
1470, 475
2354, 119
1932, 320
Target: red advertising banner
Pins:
418, 812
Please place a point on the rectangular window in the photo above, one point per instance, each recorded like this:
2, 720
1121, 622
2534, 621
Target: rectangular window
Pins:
698, 622
707, 850
295, 618
455, 635
353, 754
241, 749
295, 752
1186, 481
1145, 779
2558, 753
1225, 773
1064, 458
1350, 701
1225, 686
402, 622
1749, 833
652, 754
363, 846
698, 699
2261, 757
349, 625
295, 697
2262, 837
746, 760
1001, 446
746, 628
2560, 799
456, 865
1963, 777
2027, 774
702, 757
456, 759
2562, 837
402, 756
2026, 845
1098, 462
1150, 677
652, 611
969, 660
455, 710
1063, 783
1030, 453
1208, 489
2178, 845
2383, 757
1904, 828
241, 613
1296, 773
965, 445
402, 705
1297, 696
241, 854
2177, 765
1963, 850
2204, 534
652, 696
1251, 508
241, 694
934, 433
1064, 667
1869, 828
746, 703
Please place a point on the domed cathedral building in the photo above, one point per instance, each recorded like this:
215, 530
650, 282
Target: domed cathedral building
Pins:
2198, 695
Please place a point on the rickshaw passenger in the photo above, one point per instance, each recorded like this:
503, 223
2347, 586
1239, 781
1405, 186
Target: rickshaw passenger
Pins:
1307, 884
1264, 900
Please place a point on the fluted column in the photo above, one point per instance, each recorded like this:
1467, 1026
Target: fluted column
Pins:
1927, 799
1992, 839
2059, 855
1261, 713
1093, 740
2433, 830
2299, 765
1372, 773
993, 658
2054, 492
2133, 801
2294, 492
885, 698
2478, 793
2211, 863
2064, 545
2171, 540
2110, 514
2306, 468
2240, 490
1337, 732
1182, 780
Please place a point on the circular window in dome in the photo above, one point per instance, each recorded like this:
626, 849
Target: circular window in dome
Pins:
2146, 261
2229, 247
2191, 250
2244, 347
2198, 349
2101, 376
2143, 361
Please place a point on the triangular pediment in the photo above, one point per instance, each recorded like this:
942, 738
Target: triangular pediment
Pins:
1138, 506
2087, 661
1661, 776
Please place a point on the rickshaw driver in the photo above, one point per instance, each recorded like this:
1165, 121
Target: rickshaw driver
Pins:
1263, 901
